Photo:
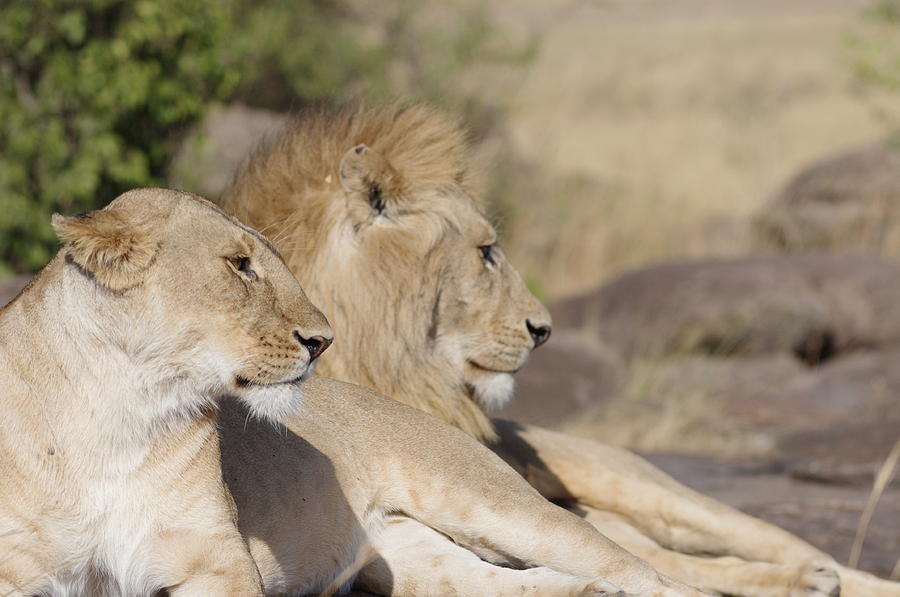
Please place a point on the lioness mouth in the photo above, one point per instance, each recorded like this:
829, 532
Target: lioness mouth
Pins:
489, 370
243, 382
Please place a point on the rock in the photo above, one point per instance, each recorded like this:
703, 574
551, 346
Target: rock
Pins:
695, 404
211, 155
845, 201
825, 515
811, 306
10, 287
562, 379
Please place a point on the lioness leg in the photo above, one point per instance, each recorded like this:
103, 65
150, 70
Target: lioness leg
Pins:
675, 517
416, 561
196, 563
492, 511
23, 569
726, 575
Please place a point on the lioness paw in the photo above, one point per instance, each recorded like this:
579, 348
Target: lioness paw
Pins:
601, 588
817, 581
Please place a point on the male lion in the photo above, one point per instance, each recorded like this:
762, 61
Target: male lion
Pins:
112, 362
373, 209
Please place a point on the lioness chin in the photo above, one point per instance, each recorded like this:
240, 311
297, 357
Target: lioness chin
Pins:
113, 362
373, 209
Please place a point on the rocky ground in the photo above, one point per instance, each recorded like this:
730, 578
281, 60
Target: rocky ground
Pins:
778, 375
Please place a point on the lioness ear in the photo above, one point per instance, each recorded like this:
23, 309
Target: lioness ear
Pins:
107, 244
366, 175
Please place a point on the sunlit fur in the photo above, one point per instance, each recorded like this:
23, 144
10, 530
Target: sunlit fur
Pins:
373, 209
377, 286
113, 362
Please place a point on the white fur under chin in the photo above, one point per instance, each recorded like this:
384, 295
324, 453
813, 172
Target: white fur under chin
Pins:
275, 402
493, 390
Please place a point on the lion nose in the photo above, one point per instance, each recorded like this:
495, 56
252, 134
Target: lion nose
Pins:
316, 345
539, 333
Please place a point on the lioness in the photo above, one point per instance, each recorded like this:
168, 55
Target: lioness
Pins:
113, 360
373, 209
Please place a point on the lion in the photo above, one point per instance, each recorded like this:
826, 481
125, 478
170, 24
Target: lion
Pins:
355, 474
113, 361
374, 209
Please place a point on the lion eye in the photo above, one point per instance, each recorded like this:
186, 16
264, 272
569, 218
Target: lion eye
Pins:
242, 265
487, 253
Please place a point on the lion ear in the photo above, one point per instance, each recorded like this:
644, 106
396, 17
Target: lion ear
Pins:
366, 175
108, 244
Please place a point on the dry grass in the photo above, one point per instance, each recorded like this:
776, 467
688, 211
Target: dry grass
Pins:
882, 480
673, 406
652, 130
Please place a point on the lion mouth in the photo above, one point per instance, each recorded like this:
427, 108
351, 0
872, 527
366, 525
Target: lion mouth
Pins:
491, 369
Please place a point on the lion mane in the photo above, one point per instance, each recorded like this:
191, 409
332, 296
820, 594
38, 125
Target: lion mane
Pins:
290, 189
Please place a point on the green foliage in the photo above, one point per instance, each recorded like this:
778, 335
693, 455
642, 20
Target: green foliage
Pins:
93, 95
296, 52
876, 51
875, 56
303, 51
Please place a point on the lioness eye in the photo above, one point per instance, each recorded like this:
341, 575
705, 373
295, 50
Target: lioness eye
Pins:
487, 253
242, 264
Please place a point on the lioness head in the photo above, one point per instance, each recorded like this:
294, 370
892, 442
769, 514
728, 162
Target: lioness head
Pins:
375, 214
194, 295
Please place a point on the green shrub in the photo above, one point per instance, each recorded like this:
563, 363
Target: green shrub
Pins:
93, 96
300, 51
875, 56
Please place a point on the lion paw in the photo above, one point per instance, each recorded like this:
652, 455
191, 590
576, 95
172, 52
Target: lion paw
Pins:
818, 581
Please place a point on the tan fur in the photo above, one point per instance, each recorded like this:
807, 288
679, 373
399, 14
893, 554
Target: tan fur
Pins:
309, 190
113, 361
385, 277
356, 469
106, 244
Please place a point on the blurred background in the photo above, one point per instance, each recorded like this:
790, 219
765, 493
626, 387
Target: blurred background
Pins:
706, 192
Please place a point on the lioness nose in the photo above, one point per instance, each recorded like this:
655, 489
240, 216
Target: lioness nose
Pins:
539, 333
316, 345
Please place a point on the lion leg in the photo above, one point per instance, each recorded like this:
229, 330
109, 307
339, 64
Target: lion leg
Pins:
417, 561
492, 511
722, 575
615, 480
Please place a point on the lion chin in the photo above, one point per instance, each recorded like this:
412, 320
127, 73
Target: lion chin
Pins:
493, 390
